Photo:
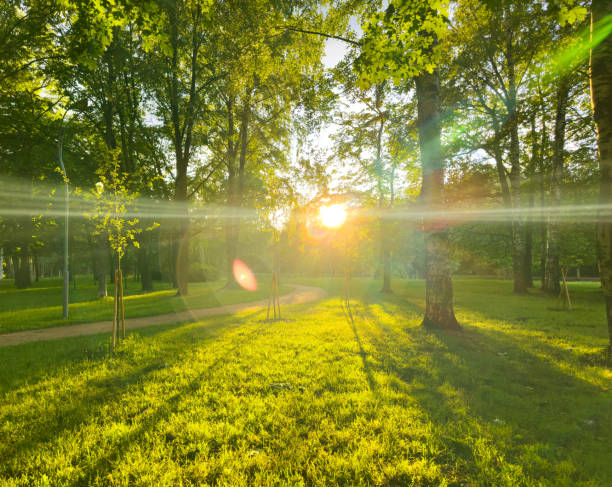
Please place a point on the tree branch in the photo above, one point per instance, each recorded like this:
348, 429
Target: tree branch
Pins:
322, 34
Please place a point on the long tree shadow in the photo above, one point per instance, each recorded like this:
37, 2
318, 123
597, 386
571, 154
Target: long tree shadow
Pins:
485, 382
528, 315
32, 362
56, 419
348, 314
151, 418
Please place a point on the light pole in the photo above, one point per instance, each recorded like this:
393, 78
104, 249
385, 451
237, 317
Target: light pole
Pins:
60, 154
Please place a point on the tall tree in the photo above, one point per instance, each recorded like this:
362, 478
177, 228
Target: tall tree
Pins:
180, 80
404, 41
601, 96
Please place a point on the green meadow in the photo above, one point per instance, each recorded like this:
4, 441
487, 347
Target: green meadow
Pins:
41, 305
519, 397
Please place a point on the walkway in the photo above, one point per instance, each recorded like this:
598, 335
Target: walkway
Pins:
301, 294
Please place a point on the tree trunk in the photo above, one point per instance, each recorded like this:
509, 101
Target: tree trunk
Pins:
182, 121
23, 278
528, 255
542, 184
438, 285
552, 275
383, 234
601, 97
182, 244
36, 267
230, 225
237, 190
518, 244
101, 266
144, 265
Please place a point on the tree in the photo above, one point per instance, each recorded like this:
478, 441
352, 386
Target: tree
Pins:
601, 96
374, 136
405, 42
180, 77
113, 202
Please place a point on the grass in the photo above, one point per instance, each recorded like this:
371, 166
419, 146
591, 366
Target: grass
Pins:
40, 306
518, 398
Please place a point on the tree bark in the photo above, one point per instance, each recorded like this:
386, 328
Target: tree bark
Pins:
144, 265
385, 252
439, 311
552, 275
232, 154
542, 184
237, 190
601, 98
529, 224
23, 278
182, 236
518, 244
528, 255
183, 122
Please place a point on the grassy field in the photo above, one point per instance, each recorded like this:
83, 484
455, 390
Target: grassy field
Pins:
41, 305
520, 397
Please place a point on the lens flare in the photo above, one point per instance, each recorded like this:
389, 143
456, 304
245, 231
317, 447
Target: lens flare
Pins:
332, 216
244, 276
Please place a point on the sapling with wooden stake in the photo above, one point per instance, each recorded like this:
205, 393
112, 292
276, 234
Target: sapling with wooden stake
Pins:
113, 201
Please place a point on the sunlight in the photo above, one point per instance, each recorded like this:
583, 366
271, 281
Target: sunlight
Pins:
332, 216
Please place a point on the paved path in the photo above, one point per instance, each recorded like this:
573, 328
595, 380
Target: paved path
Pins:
301, 294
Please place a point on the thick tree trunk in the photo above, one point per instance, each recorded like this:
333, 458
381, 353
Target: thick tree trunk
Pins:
552, 275
182, 243
438, 285
601, 97
23, 278
182, 131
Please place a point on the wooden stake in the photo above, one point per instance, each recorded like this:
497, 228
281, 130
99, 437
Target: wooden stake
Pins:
276, 298
567, 296
115, 313
122, 306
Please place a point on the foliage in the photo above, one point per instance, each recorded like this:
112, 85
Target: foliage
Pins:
402, 41
114, 203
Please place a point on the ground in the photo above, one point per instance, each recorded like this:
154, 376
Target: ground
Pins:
41, 305
520, 397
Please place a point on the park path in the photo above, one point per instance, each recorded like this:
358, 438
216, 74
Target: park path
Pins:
300, 294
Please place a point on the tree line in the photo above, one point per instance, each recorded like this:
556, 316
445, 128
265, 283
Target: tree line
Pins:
497, 110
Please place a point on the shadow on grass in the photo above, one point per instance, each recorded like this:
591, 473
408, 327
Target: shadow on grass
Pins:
348, 314
76, 405
486, 384
105, 464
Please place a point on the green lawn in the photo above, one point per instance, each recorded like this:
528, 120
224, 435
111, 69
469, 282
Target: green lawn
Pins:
41, 305
519, 398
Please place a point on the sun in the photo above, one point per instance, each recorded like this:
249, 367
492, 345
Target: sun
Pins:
332, 216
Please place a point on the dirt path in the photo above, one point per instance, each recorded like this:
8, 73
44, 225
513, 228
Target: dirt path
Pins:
301, 294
